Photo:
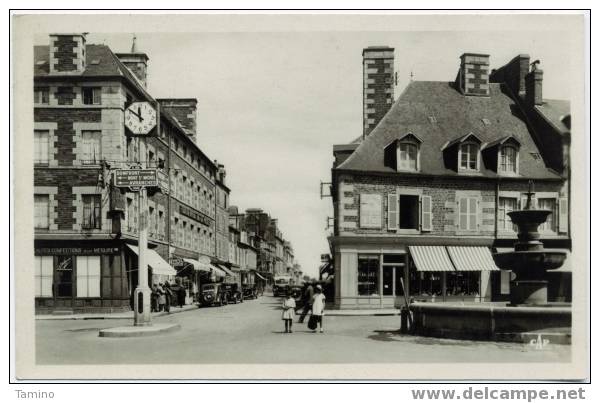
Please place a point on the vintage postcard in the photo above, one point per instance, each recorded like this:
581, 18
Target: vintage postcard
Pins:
301, 196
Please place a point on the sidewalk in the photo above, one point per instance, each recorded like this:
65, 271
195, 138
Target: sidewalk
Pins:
362, 312
117, 315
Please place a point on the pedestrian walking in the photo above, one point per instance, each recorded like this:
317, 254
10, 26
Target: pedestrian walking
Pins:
162, 299
154, 298
308, 300
168, 297
289, 306
181, 295
318, 308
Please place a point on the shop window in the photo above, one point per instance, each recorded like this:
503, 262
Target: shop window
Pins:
409, 212
91, 212
88, 276
44, 270
368, 275
64, 276
41, 96
463, 283
91, 95
42, 211
468, 156
41, 140
91, 146
548, 204
505, 206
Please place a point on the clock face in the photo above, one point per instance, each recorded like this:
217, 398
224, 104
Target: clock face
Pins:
140, 118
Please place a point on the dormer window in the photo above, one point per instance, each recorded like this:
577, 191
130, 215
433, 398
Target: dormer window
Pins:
469, 156
508, 159
403, 154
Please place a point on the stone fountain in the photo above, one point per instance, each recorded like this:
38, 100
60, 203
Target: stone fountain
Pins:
528, 316
529, 261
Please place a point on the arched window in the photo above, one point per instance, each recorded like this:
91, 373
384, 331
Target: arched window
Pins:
468, 157
508, 159
407, 156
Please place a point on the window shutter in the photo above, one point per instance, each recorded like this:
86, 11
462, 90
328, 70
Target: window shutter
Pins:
426, 215
473, 214
462, 213
563, 215
393, 211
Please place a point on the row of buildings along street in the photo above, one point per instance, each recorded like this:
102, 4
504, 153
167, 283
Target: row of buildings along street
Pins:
86, 228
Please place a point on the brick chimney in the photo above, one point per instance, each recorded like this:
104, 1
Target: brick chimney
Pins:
67, 54
136, 62
513, 74
533, 85
184, 110
473, 78
378, 85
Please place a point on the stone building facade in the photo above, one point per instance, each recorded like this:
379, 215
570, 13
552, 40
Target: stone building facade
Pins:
421, 203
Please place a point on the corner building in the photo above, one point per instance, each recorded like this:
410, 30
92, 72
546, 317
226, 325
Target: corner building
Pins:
421, 202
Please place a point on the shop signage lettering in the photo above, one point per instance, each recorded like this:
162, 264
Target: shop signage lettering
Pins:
195, 215
76, 251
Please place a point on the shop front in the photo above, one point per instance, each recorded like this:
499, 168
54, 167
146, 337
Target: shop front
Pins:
389, 278
80, 276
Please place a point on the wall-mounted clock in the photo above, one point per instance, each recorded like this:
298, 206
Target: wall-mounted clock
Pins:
140, 118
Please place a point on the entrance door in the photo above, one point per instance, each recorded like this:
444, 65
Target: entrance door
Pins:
63, 280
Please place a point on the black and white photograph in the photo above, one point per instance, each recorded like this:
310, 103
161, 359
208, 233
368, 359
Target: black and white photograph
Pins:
301, 196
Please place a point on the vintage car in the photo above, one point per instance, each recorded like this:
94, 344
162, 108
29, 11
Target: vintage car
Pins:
212, 294
232, 292
298, 294
280, 286
249, 291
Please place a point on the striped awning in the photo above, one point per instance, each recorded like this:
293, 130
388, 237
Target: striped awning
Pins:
198, 266
472, 258
217, 271
431, 258
226, 270
156, 262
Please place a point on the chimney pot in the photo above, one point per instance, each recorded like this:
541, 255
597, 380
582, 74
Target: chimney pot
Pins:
184, 110
533, 86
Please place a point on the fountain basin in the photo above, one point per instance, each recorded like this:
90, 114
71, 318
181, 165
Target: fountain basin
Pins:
529, 260
494, 322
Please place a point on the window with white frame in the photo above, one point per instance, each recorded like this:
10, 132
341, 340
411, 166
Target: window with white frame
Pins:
91, 95
92, 218
41, 206
467, 213
41, 96
468, 156
548, 204
91, 146
407, 156
44, 270
505, 206
41, 140
88, 276
508, 159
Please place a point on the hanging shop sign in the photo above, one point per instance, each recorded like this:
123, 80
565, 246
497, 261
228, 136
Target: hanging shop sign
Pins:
195, 215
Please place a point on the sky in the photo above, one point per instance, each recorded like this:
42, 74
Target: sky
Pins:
272, 104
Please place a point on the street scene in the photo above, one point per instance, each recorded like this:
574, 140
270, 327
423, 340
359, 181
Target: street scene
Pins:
302, 197
253, 333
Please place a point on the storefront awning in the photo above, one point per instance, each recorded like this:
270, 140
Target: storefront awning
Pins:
472, 258
227, 271
198, 266
259, 276
431, 258
158, 264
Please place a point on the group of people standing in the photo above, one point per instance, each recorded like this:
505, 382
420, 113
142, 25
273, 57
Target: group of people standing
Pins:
164, 296
314, 302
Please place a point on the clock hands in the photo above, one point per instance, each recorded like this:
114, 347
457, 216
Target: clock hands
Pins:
138, 114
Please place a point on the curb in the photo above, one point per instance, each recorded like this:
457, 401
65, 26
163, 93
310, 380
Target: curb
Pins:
133, 331
129, 315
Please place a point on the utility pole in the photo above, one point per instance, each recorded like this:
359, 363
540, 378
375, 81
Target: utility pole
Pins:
142, 314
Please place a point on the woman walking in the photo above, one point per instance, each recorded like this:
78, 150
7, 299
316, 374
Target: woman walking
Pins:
162, 299
318, 307
289, 306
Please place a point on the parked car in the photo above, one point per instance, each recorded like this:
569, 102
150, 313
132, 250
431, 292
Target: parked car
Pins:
249, 291
280, 286
232, 292
298, 294
212, 294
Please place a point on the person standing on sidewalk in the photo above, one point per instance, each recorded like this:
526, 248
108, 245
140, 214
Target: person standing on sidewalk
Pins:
162, 299
289, 306
181, 293
308, 300
154, 299
318, 307
168, 297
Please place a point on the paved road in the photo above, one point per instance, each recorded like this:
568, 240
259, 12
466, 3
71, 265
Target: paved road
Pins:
252, 332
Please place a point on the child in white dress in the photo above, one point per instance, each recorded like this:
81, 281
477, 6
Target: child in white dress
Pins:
289, 306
